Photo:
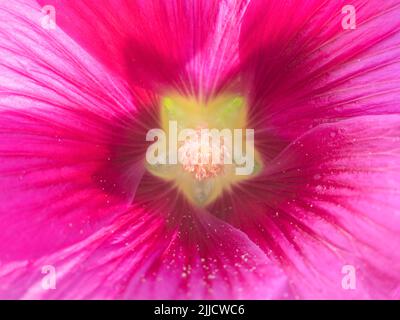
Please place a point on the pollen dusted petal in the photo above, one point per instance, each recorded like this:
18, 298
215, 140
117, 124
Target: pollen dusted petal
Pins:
331, 199
211, 260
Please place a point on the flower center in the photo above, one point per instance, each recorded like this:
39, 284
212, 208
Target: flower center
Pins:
203, 147
197, 157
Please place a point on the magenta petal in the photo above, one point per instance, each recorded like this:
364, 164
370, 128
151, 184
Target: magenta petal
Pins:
138, 256
332, 199
216, 67
148, 42
61, 118
304, 69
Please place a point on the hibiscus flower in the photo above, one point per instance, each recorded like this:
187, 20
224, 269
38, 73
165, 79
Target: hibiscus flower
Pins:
78, 198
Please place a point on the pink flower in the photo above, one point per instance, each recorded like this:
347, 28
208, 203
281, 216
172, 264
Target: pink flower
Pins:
77, 195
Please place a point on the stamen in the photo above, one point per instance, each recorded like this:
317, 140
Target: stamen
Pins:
196, 158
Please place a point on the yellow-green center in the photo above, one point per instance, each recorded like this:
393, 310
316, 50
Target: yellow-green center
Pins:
203, 167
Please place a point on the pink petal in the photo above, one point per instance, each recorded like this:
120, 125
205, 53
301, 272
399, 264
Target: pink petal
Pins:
147, 42
331, 199
216, 67
138, 256
63, 122
304, 69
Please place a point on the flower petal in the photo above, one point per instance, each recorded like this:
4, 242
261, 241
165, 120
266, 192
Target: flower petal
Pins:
67, 161
139, 256
149, 42
215, 69
304, 69
329, 200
